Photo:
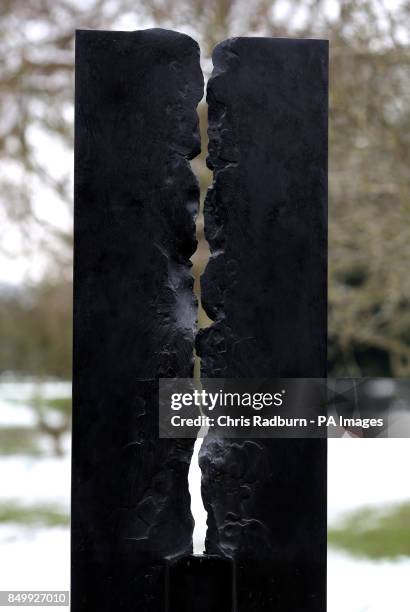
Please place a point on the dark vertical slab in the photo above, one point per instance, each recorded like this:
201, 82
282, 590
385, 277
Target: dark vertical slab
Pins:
134, 310
265, 289
201, 584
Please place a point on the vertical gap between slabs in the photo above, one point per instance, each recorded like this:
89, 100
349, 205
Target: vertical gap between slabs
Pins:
199, 262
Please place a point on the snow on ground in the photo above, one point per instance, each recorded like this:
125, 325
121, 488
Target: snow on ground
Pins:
358, 585
34, 559
29, 388
17, 415
33, 480
366, 472
15, 396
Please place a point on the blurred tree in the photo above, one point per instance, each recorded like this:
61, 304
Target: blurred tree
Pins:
35, 328
369, 208
53, 419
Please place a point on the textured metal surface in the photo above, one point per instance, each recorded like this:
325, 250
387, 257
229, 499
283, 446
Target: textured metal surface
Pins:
265, 289
134, 310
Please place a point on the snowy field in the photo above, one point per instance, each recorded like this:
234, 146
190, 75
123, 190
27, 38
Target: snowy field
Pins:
361, 472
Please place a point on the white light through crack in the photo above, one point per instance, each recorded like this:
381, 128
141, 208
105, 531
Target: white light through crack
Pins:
197, 507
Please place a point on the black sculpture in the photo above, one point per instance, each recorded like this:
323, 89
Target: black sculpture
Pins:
134, 310
265, 287
135, 319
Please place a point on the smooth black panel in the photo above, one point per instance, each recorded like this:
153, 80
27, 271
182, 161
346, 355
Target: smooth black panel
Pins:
134, 310
201, 584
265, 288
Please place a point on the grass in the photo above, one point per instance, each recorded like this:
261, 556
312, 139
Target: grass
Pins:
60, 404
376, 533
27, 440
37, 515
20, 441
